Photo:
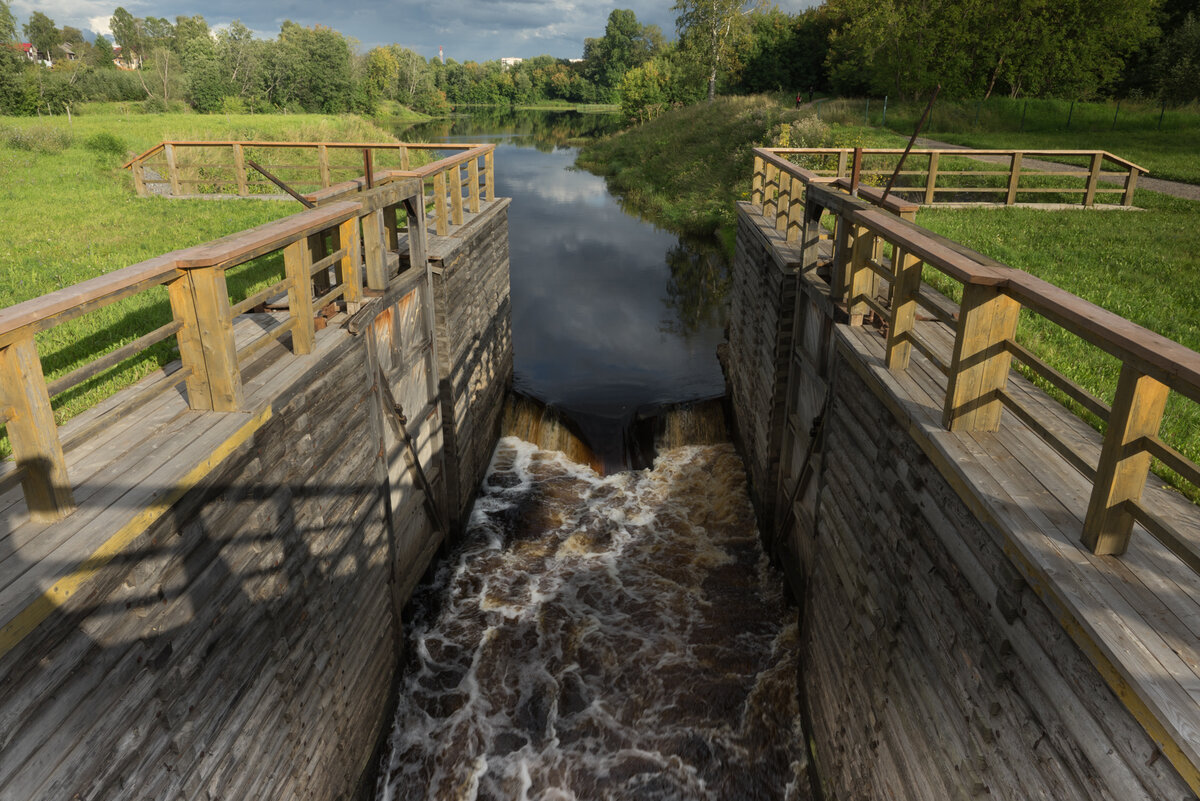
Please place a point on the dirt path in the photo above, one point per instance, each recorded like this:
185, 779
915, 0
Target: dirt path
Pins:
1175, 188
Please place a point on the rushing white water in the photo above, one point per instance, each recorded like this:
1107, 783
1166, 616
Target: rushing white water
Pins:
602, 638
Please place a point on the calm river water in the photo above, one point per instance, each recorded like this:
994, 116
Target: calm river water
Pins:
600, 637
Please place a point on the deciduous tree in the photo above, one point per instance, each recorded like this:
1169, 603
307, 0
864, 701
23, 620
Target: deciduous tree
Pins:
713, 29
42, 33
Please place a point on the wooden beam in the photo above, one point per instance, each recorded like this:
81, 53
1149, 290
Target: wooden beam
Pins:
784, 202
323, 158
473, 184
349, 268
442, 218
172, 169
489, 177
374, 256
297, 263
1130, 185
1089, 197
862, 281
33, 433
390, 228
1121, 475
139, 178
239, 167
770, 204
756, 182
931, 177
200, 301
905, 287
979, 368
1014, 178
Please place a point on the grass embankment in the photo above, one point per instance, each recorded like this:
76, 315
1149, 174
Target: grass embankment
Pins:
70, 213
688, 167
1164, 141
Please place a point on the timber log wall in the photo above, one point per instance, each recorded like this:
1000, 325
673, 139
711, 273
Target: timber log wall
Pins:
244, 644
933, 668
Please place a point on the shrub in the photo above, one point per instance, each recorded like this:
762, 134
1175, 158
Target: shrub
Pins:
105, 143
38, 139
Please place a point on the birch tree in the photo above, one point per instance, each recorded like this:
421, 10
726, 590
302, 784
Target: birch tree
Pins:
713, 29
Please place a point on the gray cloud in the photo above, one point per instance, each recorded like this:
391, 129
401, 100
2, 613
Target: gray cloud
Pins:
469, 30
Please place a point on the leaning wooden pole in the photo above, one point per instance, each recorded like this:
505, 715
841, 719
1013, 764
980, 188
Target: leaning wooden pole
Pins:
916, 132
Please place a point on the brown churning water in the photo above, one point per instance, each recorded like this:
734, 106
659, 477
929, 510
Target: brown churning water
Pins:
619, 637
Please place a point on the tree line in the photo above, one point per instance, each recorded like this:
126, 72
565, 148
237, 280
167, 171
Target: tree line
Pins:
902, 48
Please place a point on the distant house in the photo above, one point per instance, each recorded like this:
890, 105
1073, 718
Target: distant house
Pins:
68, 52
510, 62
35, 55
135, 60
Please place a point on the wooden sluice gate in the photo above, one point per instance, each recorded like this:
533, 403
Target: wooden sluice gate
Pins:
998, 599
201, 577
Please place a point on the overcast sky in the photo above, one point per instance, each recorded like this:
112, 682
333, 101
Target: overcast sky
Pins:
468, 29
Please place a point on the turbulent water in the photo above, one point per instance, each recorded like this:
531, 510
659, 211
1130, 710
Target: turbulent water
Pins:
618, 637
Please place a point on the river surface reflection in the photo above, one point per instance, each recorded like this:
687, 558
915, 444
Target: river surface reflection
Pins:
611, 315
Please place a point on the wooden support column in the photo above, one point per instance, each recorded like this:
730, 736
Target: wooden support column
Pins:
391, 228
756, 183
139, 178
374, 257
473, 184
795, 211
931, 178
1130, 185
318, 250
1089, 197
33, 432
200, 301
239, 168
843, 159
785, 201
1014, 178
839, 277
489, 174
172, 169
905, 287
297, 263
456, 193
770, 205
323, 157
810, 235
441, 215
349, 268
405, 160
979, 368
1121, 475
861, 280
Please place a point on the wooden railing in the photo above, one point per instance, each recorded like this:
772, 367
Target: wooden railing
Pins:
325, 259
984, 328
927, 176
321, 171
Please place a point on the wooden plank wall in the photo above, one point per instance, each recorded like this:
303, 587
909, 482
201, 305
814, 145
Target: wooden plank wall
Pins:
474, 327
244, 646
918, 684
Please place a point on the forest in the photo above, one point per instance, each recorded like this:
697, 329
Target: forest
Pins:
972, 49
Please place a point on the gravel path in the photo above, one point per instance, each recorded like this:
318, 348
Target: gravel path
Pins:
1176, 188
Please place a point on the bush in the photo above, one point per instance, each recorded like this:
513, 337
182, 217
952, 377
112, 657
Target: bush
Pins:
38, 139
105, 143
232, 104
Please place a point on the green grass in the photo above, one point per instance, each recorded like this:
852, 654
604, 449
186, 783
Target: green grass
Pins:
71, 214
686, 168
1168, 151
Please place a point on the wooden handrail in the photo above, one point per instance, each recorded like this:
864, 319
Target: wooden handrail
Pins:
964, 151
338, 145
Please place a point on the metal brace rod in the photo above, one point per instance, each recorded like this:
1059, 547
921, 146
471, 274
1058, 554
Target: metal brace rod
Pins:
308, 204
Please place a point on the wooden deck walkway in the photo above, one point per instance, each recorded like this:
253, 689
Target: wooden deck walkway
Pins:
1136, 616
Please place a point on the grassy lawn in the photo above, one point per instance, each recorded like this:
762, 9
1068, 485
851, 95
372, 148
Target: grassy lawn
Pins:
687, 168
71, 214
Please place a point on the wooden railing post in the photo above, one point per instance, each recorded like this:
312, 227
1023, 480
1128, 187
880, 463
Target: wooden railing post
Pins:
391, 228
756, 182
795, 211
1014, 178
200, 301
33, 432
349, 270
840, 268
297, 263
905, 286
810, 234
1121, 475
861, 280
323, 157
931, 178
442, 220
239, 168
1130, 185
489, 177
979, 368
454, 174
318, 250
843, 160
172, 169
374, 256
405, 161
473, 184
770, 205
784, 203
1089, 197
139, 178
